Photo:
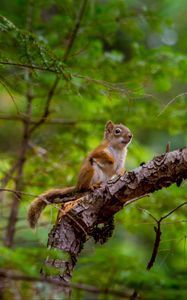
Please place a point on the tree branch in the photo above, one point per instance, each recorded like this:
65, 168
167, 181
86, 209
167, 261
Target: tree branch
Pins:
65, 58
34, 121
99, 206
19, 166
75, 29
29, 66
47, 105
78, 286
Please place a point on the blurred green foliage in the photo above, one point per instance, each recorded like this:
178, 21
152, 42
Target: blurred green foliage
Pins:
128, 64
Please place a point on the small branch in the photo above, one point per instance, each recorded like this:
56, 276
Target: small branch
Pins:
66, 55
17, 192
168, 146
75, 29
171, 102
47, 105
110, 86
9, 175
34, 121
79, 286
172, 211
158, 235
4, 84
135, 199
156, 245
27, 66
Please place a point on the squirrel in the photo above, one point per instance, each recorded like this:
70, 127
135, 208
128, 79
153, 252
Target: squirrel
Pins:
105, 161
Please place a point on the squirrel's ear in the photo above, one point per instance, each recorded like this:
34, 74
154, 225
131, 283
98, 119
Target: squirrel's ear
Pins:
108, 128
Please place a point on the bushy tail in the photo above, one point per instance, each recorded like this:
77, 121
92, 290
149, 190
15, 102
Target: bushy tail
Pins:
38, 204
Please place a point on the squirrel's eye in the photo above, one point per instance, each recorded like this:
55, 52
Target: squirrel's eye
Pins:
117, 131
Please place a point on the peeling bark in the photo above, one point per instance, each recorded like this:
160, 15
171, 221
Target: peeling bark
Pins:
76, 225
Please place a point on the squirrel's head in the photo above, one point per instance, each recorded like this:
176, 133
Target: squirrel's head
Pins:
117, 134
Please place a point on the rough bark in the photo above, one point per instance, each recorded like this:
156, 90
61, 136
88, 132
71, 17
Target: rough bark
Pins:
80, 217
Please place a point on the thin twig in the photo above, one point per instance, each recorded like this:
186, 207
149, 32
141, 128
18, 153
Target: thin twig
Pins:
33, 121
172, 211
27, 66
8, 175
2, 81
75, 29
170, 102
17, 192
47, 105
108, 85
135, 199
158, 235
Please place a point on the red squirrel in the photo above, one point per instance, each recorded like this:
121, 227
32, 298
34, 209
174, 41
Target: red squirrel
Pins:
105, 161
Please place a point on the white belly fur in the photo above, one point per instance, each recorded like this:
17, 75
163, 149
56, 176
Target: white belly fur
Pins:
119, 157
99, 176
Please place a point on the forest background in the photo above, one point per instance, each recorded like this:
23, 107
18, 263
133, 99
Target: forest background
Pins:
66, 67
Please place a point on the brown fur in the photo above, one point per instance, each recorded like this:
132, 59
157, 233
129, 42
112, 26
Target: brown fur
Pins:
102, 163
39, 203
